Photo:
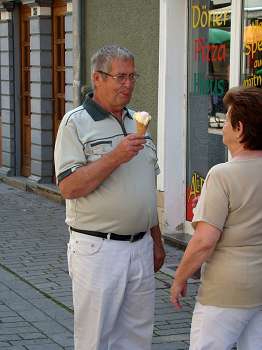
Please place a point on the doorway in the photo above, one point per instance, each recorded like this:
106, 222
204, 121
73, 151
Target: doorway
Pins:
59, 12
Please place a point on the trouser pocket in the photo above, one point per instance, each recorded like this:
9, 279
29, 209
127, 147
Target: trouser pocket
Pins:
69, 259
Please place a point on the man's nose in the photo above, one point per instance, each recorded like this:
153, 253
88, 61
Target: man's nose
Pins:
128, 82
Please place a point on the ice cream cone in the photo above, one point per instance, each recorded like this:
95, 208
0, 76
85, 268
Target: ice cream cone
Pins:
142, 120
141, 128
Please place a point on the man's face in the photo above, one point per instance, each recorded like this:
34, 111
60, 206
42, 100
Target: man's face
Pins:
115, 94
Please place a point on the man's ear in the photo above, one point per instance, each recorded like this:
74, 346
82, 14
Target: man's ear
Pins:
96, 78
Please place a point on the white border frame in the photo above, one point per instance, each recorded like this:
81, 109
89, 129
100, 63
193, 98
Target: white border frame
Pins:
235, 45
235, 42
172, 102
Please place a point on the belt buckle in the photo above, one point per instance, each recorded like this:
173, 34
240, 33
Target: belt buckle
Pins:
132, 239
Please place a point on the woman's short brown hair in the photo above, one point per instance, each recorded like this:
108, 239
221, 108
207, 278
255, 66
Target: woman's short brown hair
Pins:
246, 106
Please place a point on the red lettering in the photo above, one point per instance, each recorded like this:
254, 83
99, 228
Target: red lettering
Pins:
209, 52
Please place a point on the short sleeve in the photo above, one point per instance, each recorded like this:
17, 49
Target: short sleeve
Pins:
69, 153
213, 203
151, 145
156, 167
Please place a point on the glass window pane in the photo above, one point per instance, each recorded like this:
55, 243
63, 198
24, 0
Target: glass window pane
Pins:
208, 81
251, 72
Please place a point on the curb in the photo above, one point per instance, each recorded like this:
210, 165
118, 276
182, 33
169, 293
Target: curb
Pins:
49, 191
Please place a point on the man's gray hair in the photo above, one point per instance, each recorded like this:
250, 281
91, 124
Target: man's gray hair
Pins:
102, 59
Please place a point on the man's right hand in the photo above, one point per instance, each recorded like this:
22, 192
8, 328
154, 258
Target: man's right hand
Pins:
128, 148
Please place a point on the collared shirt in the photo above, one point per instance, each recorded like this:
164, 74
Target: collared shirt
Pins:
125, 203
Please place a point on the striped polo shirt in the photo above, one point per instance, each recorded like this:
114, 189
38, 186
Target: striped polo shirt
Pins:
125, 203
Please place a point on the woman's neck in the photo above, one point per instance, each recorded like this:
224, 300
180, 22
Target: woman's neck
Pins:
243, 153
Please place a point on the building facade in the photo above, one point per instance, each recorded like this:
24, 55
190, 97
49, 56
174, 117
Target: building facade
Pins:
36, 72
188, 52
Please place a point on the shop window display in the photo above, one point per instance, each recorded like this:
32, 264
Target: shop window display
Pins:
208, 81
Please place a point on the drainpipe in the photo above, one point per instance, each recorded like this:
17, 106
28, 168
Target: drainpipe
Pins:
78, 49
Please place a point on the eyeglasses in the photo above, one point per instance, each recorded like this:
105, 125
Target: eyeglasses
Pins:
122, 78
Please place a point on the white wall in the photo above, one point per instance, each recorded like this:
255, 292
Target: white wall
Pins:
172, 110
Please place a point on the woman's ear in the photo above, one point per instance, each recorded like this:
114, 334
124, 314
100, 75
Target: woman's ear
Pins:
240, 130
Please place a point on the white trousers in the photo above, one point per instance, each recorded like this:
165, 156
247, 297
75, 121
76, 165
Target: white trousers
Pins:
113, 292
217, 328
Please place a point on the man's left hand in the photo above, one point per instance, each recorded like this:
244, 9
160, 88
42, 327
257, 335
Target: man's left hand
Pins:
159, 255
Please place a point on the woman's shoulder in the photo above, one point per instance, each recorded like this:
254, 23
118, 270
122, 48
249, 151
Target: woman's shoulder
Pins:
224, 173
220, 168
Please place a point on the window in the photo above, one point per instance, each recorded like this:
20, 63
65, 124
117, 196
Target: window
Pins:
208, 81
251, 71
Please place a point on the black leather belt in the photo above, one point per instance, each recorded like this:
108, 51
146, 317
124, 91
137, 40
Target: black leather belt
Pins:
131, 238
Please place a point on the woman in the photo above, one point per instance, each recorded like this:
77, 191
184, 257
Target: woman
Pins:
228, 237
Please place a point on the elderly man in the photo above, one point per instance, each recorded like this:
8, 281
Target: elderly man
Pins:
106, 172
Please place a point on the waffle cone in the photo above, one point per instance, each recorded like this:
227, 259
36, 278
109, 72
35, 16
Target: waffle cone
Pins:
141, 128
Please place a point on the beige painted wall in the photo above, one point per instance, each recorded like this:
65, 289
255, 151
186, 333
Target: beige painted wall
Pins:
135, 25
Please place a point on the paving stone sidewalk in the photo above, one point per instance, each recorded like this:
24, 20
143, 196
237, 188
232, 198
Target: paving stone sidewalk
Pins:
35, 289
